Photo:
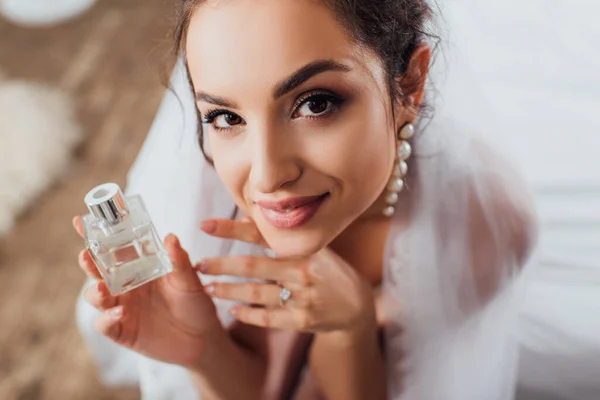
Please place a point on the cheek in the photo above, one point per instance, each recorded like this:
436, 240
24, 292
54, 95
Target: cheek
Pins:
231, 172
368, 162
362, 156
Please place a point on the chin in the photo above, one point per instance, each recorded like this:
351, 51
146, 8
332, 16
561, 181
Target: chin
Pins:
296, 244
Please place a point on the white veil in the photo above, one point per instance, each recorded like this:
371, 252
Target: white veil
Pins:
450, 280
451, 288
454, 279
534, 79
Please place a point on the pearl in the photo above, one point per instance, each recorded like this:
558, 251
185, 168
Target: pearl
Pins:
401, 169
404, 151
388, 211
407, 131
392, 198
396, 185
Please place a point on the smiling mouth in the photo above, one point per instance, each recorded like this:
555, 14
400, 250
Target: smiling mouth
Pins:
292, 213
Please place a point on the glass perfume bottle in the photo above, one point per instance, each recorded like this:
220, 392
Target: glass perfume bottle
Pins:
122, 240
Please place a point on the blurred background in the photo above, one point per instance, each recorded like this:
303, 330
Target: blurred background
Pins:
91, 84
81, 81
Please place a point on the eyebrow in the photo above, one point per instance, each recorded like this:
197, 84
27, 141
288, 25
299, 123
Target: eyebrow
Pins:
218, 101
305, 73
285, 86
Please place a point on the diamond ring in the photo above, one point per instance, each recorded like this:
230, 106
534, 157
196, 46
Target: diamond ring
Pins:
284, 296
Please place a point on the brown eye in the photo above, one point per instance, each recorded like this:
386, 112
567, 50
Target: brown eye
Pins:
317, 105
233, 119
227, 120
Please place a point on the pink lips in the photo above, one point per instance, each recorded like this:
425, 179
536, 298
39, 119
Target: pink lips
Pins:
292, 212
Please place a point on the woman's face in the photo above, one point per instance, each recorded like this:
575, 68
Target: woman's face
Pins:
296, 114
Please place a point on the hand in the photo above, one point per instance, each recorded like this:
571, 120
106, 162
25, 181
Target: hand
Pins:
327, 294
169, 319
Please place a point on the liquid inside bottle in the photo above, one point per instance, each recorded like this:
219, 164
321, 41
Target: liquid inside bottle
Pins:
128, 252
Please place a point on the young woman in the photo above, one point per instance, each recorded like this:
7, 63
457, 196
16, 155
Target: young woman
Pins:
357, 215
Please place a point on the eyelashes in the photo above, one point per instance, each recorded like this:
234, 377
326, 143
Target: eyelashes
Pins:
222, 116
316, 104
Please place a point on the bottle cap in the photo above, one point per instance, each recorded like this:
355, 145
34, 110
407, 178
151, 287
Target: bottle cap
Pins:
107, 202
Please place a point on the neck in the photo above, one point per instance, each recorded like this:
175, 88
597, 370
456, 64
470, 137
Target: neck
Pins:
362, 243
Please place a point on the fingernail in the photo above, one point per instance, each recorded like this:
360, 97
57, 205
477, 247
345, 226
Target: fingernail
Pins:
81, 255
73, 221
102, 289
116, 312
208, 226
210, 290
201, 266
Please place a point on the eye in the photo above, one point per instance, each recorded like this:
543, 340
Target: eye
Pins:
316, 105
222, 119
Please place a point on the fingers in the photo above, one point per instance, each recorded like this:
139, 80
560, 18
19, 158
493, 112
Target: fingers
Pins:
99, 296
109, 323
78, 225
276, 269
88, 265
250, 293
277, 318
259, 294
244, 230
183, 277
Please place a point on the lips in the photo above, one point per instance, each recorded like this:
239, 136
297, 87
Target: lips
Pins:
292, 212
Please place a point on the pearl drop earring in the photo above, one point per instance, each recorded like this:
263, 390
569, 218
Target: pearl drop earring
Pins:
396, 183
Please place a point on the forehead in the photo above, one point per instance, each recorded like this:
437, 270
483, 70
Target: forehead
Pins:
232, 40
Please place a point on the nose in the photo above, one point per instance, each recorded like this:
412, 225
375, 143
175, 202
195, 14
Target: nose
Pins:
274, 162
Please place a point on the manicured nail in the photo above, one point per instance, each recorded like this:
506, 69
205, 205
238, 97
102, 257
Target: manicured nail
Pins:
210, 290
208, 226
116, 312
73, 221
102, 289
201, 266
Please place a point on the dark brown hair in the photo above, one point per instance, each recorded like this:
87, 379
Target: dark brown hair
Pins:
391, 28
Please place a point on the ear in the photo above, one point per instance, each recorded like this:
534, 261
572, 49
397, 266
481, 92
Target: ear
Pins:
413, 81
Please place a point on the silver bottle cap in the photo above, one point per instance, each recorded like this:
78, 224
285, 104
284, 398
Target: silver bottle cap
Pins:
107, 202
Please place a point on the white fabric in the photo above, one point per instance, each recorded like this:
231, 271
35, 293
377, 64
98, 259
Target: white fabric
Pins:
458, 344
534, 68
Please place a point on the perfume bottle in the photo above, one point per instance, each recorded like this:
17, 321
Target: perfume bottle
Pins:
122, 240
